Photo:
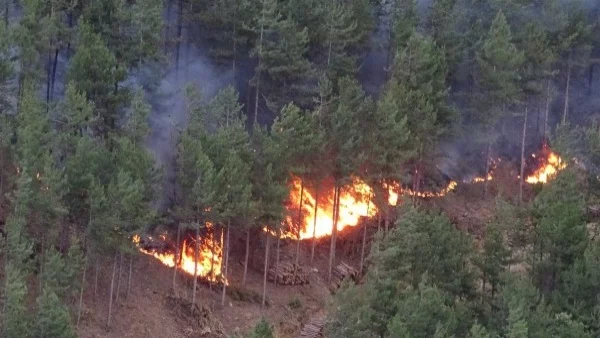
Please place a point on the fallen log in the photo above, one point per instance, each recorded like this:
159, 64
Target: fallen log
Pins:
288, 274
341, 273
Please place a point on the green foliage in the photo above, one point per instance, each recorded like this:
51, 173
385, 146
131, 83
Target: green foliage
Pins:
53, 318
262, 330
562, 234
498, 62
424, 242
15, 317
283, 70
424, 312
94, 71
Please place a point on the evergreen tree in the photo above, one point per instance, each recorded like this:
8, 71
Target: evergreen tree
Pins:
53, 318
262, 330
283, 73
15, 321
419, 87
346, 144
497, 78
341, 37
423, 312
94, 71
561, 230
297, 135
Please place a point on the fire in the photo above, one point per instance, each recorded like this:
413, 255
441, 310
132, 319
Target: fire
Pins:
354, 203
209, 255
550, 166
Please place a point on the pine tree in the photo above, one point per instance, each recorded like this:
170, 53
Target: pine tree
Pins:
53, 318
562, 235
341, 36
262, 330
294, 131
283, 72
94, 71
346, 142
517, 325
419, 87
226, 23
15, 316
497, 77
423, 313
478, 331
494, 258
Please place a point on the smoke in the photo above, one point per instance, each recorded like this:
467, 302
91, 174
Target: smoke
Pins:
169, 116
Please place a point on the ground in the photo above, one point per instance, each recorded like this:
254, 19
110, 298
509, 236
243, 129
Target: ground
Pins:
151, 311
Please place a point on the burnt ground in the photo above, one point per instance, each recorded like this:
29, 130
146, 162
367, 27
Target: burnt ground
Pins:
153, 309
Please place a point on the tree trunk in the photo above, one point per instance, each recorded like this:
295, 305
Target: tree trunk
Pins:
364, 239
212, 258
234, 40
590, 79
546, 131
566, 108
277, 252
487, 168
96, 279
260, 45
333, 229
179, 31
48, 78
314, 238
177, 253
129, 278
70, 20
300, 222
196, 240
264, 295
112, 287
247, 257
167, 26
119, 278
523, 157
81, 294
6, 7
54, 66
226, 265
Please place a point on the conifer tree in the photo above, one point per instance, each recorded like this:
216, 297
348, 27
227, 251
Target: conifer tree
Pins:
262, 330
346, 142
283, 72
294, 132
419, 87
561, 229
15, 321
53, 318
497, 77
94, 71
341, 36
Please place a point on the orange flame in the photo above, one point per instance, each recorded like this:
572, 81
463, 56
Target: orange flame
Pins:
353, 205
209, 259
549, 168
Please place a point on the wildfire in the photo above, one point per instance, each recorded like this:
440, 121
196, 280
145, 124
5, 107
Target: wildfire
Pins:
551, 165
209, 255
354, 203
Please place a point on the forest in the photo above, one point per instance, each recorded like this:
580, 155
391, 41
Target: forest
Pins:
207, 133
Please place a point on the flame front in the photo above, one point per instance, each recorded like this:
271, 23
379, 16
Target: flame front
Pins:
210, 256
549, 168
354, 203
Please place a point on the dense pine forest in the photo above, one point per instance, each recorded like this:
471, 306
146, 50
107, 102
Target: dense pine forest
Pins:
238, 128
